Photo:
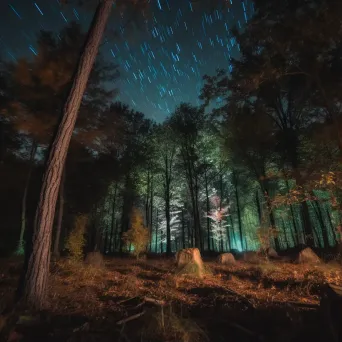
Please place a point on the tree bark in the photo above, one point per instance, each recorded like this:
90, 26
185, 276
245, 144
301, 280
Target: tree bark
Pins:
60, 216
235, 180
208, 208
20, 248
167, 182
36, 277
151, 213
183, 230
157, 223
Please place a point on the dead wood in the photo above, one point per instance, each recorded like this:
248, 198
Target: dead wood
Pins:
130, 318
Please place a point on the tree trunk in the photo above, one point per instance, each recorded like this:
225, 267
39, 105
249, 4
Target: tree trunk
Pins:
238, 207
36, 278
60, 215
21, 247
333, 229
147, 201
151, 214
183, 230
320, 218
199, 228
257, 198
309, 232
298, 237
113, 221
167, 204
168, 226
157, 223
208, 208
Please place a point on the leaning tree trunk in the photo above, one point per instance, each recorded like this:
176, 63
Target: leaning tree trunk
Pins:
20, 248
60, 216
35, 286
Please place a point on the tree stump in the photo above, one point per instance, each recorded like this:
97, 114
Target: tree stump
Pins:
308, 256
189, 261
226, 259
331, 312
271, 253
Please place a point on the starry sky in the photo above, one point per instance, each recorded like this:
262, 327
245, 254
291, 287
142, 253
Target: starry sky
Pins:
162, 57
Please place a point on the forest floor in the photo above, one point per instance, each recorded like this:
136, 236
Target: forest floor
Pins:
270, 301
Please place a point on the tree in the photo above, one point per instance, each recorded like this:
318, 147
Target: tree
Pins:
138, 235
38, 267
186, 122
167, 155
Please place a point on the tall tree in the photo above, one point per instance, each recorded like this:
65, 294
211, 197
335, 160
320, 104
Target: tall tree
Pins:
38, 267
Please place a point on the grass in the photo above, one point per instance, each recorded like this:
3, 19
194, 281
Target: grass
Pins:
80, 294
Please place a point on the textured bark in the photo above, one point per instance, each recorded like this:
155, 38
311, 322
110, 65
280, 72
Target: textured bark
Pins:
235, 180
167, 181
60, 215
20, 247
183, 230
36, 278
207, 207
156, 249
151, 213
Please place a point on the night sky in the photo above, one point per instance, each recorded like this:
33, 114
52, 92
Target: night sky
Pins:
161, 60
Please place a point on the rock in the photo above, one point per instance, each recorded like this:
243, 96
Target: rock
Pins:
94, 259
189, 259
226, 259
308, 256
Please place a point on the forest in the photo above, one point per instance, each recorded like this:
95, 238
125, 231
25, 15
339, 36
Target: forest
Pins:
255, 167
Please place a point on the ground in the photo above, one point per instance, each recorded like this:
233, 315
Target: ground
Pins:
246, 302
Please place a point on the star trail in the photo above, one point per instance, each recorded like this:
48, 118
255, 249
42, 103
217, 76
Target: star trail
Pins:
161, 59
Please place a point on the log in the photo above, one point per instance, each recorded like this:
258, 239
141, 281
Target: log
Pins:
126, 300
130, 318
154, 301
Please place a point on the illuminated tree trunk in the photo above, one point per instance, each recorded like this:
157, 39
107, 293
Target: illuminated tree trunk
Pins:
147, 201
208, 207
235, 181
157, 224
320, 218
20, 248
167, 181
151, 213
296, 241
60, 216
183, 230
36, 277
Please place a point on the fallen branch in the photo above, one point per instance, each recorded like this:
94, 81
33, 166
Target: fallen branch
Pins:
303, 305
154, 301
241, 297
126, 300
130, 318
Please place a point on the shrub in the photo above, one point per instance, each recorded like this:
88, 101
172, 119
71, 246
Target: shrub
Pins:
138, 235
75, 242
